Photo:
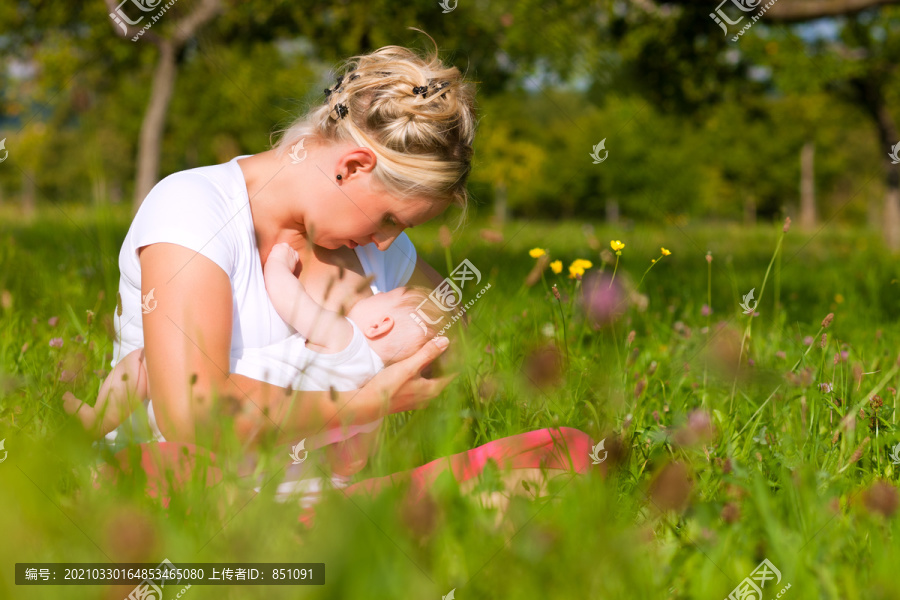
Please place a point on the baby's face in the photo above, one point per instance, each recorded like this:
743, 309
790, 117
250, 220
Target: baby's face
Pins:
382, 316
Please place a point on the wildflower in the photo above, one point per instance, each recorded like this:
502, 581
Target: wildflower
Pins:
616, 245
578, 267
808, 340
443, 235
90, 317
665, 252
827, 320
652, 261
705, 310
824, 341
604, 300
631, 336
826, 388
52, 321
671, 488
708, 256
839, 298
536, 252
556, 266
781, 354
555, 292
881, 498
56, 343
787, 225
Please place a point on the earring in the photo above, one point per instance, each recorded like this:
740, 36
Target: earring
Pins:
339, 177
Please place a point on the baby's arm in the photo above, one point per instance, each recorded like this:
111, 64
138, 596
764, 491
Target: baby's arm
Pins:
319, 326
120, 394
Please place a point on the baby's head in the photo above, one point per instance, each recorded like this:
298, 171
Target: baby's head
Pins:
387, 322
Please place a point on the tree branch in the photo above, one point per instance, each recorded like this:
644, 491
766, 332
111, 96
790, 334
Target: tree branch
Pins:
804, 10
186, 27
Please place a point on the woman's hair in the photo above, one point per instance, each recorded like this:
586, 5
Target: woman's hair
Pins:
423, 140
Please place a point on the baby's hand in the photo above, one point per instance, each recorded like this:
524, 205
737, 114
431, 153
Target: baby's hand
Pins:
284, 254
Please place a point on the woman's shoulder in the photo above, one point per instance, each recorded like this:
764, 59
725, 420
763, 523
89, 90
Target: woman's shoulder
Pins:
198, 209
208, 191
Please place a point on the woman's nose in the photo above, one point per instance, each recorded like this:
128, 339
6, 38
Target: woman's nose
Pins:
383, 240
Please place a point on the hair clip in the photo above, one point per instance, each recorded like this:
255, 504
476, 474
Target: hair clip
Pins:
420, 89
341, 109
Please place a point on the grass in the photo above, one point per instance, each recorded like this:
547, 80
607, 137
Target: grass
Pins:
784, 471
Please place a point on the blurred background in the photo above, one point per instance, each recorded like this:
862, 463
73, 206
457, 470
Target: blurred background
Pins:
796, 119
687, 131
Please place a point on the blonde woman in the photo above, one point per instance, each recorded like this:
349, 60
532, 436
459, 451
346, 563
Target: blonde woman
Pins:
389, 148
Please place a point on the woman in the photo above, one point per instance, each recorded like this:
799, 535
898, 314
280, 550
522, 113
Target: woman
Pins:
389, 149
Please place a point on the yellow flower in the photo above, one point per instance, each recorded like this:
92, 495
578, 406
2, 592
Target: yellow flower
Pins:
556, 265
616, 245
665, 252
578, 266
536, 252
653, 261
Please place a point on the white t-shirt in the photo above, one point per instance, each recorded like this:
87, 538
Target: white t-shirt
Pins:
207, 210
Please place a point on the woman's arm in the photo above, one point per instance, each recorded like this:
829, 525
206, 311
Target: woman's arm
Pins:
187, 343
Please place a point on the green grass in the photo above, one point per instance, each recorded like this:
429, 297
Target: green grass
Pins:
794, 496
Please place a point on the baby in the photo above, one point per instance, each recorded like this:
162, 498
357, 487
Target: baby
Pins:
341, 353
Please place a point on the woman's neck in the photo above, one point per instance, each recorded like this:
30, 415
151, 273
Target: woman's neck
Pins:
273, 220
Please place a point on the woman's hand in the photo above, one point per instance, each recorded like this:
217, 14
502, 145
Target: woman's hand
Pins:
402, 384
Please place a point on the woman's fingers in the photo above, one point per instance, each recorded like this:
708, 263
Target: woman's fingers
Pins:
427, 353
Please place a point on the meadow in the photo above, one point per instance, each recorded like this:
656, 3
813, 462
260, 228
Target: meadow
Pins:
731, 438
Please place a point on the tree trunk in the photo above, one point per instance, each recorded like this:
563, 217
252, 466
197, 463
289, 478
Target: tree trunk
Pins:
612, 211
749, 210
872, 95
150, 145
29, 196
807, 186
500, 207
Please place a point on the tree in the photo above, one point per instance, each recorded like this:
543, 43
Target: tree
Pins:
179, 29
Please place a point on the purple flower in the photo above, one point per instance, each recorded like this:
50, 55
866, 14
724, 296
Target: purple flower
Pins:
826, 388
56, 343
808, 340
705, 310
604, 300
52, 321
780, 354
